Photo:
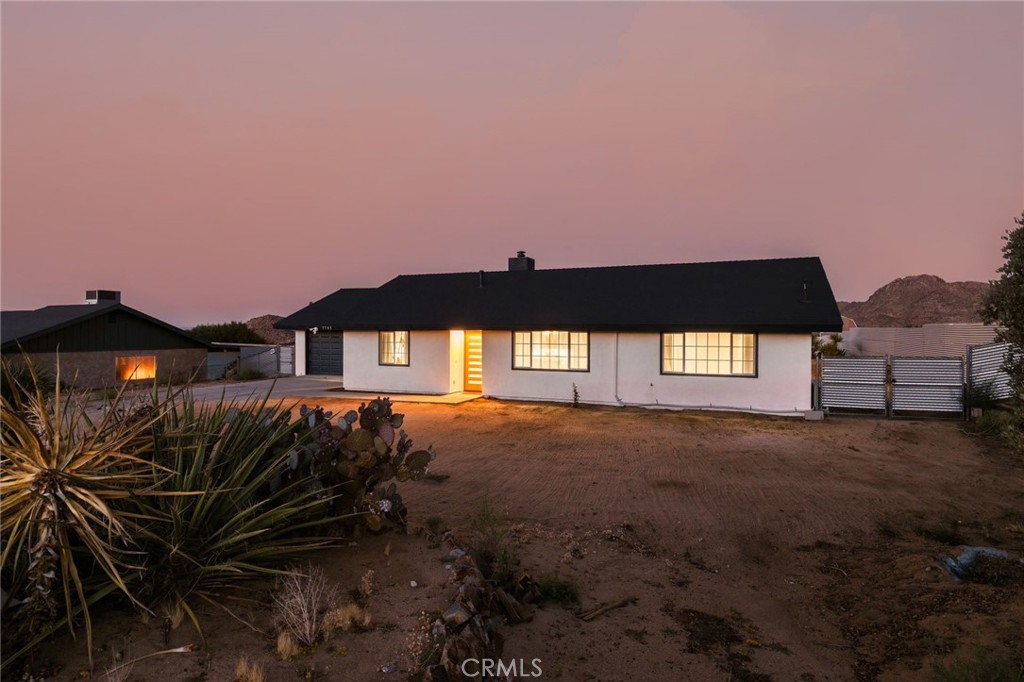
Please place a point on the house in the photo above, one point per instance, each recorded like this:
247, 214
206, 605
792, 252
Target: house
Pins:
101, 342
723, 335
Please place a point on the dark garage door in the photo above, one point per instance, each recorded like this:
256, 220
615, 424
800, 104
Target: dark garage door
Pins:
325, 353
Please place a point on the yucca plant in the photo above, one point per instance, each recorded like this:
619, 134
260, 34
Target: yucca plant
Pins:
66, 539
234, 510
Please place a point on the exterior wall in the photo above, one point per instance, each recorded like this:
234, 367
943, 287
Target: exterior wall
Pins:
300, 352
428, 370
97, 369
457, 368
625, 369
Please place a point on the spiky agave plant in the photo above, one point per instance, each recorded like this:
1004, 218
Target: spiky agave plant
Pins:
238, 504
63, 476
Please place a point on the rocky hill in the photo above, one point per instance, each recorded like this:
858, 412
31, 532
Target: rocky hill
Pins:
264, 326
917, 300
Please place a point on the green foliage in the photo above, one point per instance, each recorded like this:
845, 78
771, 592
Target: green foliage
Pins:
173, 503
575, 395
251, 375
980, 666
492, 539
357, 458
1003, 304
231, 508
64, 482
227, 332
827, 345
946, 531
559, 590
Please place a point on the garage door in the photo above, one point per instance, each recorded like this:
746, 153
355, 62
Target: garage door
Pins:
325, 353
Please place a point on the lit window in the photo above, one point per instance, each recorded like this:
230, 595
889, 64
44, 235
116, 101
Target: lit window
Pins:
567, 351
135, 367
709, 353
394, 348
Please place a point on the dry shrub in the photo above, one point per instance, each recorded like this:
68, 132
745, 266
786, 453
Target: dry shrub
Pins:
345, 618
287, 647
299, 601
249, 671
366, 583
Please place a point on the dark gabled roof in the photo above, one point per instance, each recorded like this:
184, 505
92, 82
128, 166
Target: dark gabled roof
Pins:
329, 311
754, 295
19, 326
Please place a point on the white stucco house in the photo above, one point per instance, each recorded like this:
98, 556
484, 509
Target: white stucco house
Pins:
733, 335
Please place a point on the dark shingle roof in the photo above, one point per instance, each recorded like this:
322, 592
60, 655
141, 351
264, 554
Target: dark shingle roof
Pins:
330, 310
754, 295
19, 326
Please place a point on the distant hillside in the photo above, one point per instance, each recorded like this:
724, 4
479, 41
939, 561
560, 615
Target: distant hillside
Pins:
917, 300
264, 326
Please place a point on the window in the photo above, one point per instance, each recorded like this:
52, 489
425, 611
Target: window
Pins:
566, 351
394, 348
709, 353
130, 368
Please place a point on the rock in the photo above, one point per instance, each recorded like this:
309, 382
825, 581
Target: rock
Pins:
456, 615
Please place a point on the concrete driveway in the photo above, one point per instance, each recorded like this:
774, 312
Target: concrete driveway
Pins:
309, 387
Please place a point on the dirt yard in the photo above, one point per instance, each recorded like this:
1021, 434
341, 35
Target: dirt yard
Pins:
756, 548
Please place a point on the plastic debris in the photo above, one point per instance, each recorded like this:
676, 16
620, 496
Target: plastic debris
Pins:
413, 583
962, 567
388, 668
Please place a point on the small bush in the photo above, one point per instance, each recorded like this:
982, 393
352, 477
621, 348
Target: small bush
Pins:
559, 590
299, 601
980, 666
251, 375
344, 619
287, 647
946, 531
249, 671
886, 528
494, 542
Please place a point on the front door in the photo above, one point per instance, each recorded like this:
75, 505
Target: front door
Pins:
473, 380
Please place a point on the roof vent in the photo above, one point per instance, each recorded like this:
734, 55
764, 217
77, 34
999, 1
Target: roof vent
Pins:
95, 296
521, 263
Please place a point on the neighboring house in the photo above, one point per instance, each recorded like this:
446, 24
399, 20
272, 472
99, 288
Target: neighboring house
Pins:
102, 342
727, 335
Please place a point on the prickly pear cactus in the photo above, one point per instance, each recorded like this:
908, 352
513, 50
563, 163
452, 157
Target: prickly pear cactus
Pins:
356, 458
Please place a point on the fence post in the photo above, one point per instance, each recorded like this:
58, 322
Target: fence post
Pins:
890, 383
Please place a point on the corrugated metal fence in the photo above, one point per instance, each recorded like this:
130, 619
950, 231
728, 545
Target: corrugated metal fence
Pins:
985, 373
927, 385
915, 385
854, 383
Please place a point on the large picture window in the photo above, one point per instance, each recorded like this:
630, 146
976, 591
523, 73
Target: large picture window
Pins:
394, 348
567, 351
709, 353
131, 368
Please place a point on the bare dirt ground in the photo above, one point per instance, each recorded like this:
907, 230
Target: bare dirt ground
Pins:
756, 548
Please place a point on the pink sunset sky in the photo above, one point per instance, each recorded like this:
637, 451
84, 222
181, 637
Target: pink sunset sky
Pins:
216, 161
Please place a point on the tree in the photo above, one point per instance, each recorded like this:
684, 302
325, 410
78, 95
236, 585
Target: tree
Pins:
227, 332
1003, 303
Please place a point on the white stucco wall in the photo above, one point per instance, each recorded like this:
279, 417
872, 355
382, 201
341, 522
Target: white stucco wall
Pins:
428, 370
783, 384
300, 353
457, 365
